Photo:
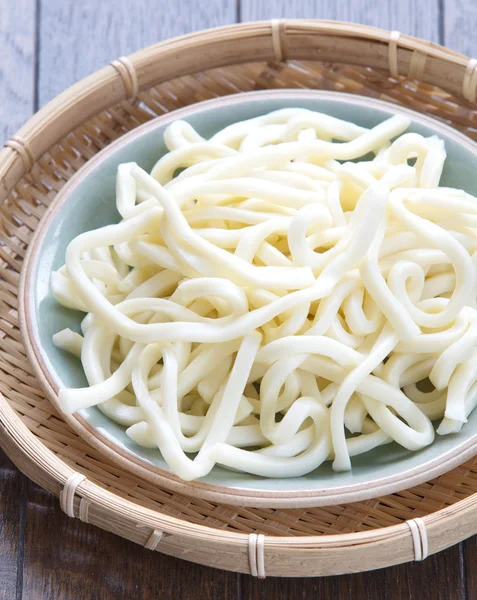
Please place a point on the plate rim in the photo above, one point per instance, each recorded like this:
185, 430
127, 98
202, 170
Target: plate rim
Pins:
220, 494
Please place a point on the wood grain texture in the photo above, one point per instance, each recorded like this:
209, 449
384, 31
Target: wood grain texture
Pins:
12, 484
440, 577
414, 18
459, 24
17, 65
362, 586
77, 38
470, 572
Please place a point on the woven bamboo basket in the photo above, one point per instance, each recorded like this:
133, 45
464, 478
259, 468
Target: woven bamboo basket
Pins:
62, 137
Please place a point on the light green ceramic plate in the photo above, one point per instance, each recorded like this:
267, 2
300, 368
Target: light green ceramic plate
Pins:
88, 202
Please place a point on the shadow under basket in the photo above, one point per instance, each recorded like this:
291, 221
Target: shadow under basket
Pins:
61, 138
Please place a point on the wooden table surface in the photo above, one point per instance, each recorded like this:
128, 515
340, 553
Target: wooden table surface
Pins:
45, 46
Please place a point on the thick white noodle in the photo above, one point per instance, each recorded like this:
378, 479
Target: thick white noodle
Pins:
273, 297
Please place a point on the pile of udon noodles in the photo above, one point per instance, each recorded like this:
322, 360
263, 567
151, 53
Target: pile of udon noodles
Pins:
293, 290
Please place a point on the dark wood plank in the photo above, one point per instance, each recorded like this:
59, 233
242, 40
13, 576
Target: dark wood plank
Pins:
458, 25
66, 559
17, 67
362, 586
439, 577
416, 18
469, 561
12, 484
77, 38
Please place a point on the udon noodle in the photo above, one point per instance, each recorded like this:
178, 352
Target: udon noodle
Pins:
294, 289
